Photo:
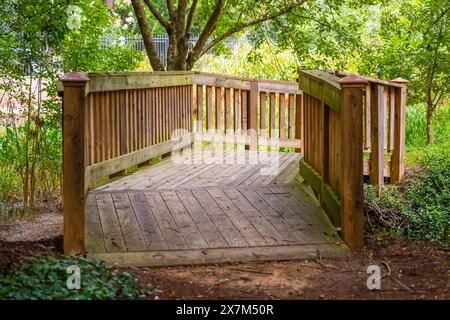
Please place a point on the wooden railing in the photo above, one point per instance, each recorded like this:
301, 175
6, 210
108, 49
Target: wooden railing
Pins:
260, 110
346, 121
112, 122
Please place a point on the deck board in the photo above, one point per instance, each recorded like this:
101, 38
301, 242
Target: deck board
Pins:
208, 212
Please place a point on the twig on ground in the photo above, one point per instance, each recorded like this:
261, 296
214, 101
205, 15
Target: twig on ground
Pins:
252, 271
319, 256
221, 281
388, 274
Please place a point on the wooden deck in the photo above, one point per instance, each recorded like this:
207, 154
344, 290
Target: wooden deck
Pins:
208, 212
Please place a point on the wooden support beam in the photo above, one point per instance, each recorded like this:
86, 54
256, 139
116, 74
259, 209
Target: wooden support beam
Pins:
398, 154
74, 189
352, 193
377, 135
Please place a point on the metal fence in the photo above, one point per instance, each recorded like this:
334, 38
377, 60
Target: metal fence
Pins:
161, 43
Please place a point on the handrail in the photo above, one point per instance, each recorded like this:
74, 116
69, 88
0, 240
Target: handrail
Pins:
110, 81
345, 114
321, 85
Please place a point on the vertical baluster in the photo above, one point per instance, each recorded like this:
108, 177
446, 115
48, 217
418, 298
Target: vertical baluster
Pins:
377, 135
272, 121
209, 116
219, 111
262, 114
282, 115
227, 104
237, 113
199, 97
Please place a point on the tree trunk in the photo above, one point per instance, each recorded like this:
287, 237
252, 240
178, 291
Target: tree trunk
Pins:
430, 112
172, 51
430, 137
178, 26
147, 35
180, 60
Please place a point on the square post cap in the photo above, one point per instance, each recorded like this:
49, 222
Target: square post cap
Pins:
400, 80
352, 80
74, 79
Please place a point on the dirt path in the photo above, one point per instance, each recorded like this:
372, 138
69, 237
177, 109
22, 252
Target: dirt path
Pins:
44, 226
418, 270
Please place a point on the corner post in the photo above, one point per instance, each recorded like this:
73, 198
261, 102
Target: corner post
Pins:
352, 192
74, 191
398, 154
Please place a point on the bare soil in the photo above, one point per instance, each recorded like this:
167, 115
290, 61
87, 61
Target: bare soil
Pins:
41, 227
410, 270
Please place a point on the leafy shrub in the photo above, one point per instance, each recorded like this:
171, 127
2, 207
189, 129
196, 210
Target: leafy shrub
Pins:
419, 207
44, 277
266, 62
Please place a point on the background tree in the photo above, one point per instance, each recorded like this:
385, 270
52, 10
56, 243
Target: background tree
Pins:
37, 45
212, 21
412, 40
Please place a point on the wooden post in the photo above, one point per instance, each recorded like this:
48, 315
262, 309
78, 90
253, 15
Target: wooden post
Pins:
367, 118
377, 135
252, 115
299, 121
398, 154
74, 191
352, 193
391, 118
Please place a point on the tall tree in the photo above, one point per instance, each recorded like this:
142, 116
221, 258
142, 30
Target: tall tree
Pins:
412, 41
212, 21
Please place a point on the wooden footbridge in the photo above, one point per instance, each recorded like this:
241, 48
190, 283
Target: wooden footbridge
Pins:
169, 168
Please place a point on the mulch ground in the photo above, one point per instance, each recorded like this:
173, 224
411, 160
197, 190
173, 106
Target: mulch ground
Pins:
410, 270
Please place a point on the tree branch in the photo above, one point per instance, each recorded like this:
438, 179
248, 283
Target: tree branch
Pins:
243, 26
147, 35
181, 15
341, 32
157, 14
437, 99
437, 19
206, 32
171, 9
190, 17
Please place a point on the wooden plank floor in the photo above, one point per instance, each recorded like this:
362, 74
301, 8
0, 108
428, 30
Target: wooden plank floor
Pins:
208, 212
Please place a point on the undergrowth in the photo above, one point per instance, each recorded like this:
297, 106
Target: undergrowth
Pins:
45, 277
419, 206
